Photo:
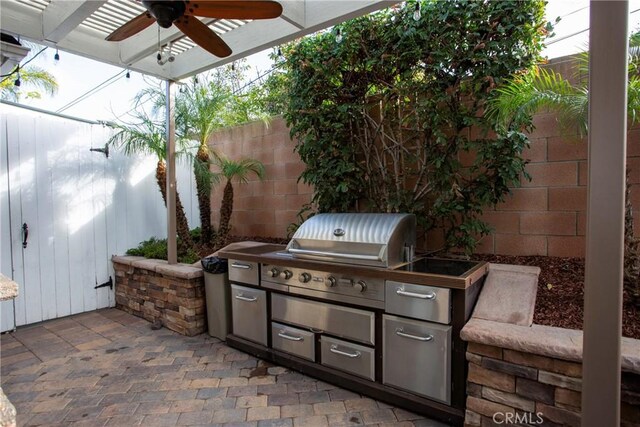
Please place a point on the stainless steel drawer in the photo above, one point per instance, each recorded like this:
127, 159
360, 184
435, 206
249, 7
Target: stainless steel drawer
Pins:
243, 272
249, 313
418, 301
422, 345
353, 358
350, 323
293, 340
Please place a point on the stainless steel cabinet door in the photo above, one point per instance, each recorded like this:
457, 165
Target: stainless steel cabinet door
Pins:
249, 313
349, 323
417, 357
243, 272
293, 340
418, 301
349, 357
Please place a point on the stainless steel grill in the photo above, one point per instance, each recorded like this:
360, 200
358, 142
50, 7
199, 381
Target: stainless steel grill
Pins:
373, 239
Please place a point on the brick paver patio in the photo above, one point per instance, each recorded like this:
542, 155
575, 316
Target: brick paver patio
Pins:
110, 368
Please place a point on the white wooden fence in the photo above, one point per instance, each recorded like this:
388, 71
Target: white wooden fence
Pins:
80, 208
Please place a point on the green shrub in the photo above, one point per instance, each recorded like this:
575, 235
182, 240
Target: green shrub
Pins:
382, 116
157, 249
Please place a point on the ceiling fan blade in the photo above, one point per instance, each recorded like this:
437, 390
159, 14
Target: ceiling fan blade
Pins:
203, 36
132, 27
238, 9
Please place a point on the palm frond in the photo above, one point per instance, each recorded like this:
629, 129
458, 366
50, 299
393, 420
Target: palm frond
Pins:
34, 80
240, 170
523, 96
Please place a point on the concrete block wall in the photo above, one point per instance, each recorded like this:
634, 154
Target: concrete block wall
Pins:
263, 208
543, 216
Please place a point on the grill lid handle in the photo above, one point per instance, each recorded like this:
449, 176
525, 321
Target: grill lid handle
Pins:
335, 254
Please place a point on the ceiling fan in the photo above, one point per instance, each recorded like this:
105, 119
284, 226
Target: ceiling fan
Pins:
183, 15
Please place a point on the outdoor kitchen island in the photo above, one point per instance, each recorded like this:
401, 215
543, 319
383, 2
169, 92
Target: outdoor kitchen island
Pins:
403, 348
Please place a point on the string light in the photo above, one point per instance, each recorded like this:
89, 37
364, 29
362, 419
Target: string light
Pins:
279, 53
56, 57
233, 66
128, 75
338, 36
17, 82
416, 13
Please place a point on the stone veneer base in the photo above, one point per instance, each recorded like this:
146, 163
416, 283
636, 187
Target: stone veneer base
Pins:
172, 295
533, 374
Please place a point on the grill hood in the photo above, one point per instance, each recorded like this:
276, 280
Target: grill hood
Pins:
374, 239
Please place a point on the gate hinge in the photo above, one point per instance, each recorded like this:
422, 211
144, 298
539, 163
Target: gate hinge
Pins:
108, 283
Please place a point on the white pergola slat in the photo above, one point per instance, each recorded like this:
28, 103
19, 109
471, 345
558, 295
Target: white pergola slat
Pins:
80, 27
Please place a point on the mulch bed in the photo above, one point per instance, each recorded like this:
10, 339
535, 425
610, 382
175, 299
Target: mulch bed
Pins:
560, 289
561, 292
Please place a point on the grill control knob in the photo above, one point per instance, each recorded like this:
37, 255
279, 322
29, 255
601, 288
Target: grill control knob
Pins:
286, 274
360, 286
274, 272
330, 282
304, 277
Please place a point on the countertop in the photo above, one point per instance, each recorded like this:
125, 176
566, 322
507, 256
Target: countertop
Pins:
8, 288
272, 254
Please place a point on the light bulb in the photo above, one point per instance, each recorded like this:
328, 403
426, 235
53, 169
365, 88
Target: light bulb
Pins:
128, 75
416, 14
56, 58
338, 36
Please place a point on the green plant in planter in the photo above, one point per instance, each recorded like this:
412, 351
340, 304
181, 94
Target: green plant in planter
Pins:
155, 248
382, 116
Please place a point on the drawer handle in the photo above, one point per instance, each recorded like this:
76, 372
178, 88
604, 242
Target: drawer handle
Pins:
402, 292
247, 299
400, 332
282, 334
239, 265
334, 349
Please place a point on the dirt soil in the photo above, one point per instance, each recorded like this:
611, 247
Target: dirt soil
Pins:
560, 289
561, 292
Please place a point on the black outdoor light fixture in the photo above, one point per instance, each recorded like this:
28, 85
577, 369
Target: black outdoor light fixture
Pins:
104, 150
17, 82
56, 57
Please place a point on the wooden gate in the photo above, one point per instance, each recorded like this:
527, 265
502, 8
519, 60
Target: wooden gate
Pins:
64, 210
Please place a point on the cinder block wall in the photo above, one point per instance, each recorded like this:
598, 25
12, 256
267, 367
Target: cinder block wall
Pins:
263, 208
544, 216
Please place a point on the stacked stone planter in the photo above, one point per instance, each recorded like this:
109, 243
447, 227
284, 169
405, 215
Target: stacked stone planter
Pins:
170, 295
526, 374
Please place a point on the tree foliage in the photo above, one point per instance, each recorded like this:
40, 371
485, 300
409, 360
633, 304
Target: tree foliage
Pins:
34, 80
382, 116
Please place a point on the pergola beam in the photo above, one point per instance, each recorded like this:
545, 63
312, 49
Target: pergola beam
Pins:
259, 35
608, 50
294, 13
62, 17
